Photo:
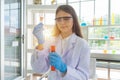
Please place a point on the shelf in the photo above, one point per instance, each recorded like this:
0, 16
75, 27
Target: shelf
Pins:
32, 26
11, 59
103, 39
97, 39
42, 7
103, 26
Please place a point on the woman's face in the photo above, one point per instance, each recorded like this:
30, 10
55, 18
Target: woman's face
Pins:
64, 22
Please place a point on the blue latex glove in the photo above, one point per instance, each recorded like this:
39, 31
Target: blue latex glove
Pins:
56, 61
38, 33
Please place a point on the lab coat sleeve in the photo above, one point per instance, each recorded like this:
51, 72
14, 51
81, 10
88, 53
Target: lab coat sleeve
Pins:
39, 61
79, 71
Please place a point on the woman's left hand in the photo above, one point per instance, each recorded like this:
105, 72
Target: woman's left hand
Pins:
56, 61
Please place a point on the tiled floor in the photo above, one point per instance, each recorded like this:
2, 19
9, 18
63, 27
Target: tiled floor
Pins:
102, 74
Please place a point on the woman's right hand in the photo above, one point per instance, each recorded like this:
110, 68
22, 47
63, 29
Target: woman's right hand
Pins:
38, 33
39, 47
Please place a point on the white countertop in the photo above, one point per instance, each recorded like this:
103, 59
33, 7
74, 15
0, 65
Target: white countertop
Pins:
102, 56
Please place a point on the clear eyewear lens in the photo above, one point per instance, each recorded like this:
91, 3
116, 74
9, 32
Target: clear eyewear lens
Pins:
64, 18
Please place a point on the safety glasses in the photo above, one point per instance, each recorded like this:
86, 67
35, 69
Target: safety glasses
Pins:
66, 19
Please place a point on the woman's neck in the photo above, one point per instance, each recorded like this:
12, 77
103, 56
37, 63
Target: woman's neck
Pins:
65, 35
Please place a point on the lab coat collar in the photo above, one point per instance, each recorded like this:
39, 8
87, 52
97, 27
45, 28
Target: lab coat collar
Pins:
71, 43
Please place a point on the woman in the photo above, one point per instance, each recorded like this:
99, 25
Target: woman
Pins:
72, 55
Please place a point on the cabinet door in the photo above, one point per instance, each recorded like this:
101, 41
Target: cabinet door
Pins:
12, 39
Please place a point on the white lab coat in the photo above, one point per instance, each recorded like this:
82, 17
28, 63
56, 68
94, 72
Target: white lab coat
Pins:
76, 56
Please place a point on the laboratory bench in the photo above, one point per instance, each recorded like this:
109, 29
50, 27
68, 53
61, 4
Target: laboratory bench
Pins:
108, 61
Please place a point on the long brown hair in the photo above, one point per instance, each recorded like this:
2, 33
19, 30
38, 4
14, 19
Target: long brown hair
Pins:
76, 27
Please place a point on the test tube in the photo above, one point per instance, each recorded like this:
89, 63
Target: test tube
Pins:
52, 49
